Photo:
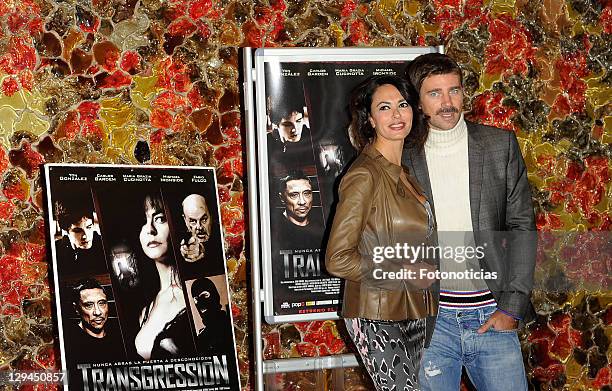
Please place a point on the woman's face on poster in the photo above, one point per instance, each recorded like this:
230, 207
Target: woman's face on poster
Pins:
154, 233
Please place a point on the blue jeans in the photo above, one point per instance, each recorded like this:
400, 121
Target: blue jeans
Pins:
493, 360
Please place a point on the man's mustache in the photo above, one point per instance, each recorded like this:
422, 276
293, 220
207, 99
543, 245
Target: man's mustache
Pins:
444, 110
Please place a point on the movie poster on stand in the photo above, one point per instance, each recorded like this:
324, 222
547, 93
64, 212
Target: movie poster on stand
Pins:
302, 98
139, 278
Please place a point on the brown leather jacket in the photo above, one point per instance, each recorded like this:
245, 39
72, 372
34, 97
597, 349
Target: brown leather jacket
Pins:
375, 208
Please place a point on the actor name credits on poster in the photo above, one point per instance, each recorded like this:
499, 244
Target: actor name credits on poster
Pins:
139, 278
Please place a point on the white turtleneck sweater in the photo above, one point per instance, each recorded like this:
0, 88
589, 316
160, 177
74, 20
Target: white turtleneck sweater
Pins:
446, 152
447, 161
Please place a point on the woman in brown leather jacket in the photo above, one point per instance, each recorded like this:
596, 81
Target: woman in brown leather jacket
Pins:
380, 206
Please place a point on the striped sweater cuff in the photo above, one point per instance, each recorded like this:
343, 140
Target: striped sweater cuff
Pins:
466, 299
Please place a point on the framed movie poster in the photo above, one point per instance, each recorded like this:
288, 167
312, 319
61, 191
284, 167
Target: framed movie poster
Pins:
139, 277
303, 148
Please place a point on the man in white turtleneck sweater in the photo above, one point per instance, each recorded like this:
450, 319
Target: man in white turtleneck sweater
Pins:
476, 181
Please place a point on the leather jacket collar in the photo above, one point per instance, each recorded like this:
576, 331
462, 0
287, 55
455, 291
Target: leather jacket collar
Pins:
392, 169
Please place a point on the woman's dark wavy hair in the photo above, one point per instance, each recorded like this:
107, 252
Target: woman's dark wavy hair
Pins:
153, 201
361, 132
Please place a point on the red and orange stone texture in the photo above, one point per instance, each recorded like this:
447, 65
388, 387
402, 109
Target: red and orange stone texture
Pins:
156, 82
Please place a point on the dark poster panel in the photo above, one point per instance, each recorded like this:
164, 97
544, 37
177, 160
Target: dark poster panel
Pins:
307, 150
140, 281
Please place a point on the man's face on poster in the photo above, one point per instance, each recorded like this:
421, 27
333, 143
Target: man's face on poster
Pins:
93, 310
197, 217
297, 199
81, 233
290, 128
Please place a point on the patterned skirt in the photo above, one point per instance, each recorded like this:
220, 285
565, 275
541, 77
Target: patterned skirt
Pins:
391, 351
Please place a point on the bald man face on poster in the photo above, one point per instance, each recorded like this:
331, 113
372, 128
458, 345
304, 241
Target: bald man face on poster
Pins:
198, 222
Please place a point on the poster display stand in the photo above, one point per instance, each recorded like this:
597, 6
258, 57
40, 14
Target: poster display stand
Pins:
296, 116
